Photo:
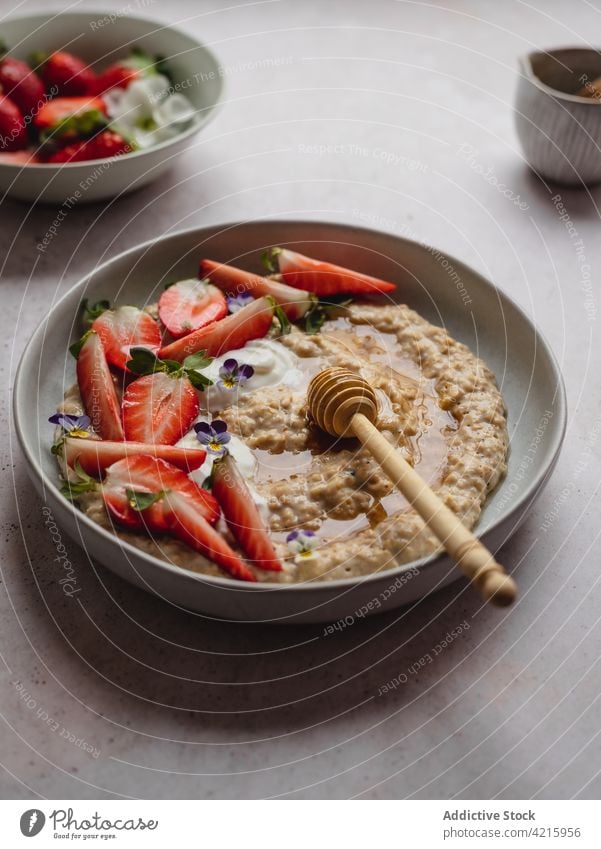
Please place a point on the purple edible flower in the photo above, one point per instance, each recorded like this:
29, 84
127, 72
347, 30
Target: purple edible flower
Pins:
233, 375
72, 425
302, 543
214, 436
236, 302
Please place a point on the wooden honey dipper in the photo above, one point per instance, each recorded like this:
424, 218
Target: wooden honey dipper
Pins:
343, 404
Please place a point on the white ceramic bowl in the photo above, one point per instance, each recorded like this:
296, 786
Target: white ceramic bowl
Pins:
434, 284
560, 132
103, 40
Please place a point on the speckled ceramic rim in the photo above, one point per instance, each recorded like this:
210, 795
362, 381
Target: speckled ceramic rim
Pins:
560, 416
526, 62
200, 121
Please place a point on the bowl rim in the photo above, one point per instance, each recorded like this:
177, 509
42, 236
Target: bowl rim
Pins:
47, 483
199, 123
526, 63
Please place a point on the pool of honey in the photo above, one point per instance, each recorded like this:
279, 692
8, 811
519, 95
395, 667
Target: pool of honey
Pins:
427, 449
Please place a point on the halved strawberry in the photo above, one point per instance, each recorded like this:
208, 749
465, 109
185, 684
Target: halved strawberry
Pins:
125, 328
324, 278
55, 111
189, 305
67, 74
242, 515
96, 387
135, 488
159, 408
294, 302
189, 525
250, 322
95, 455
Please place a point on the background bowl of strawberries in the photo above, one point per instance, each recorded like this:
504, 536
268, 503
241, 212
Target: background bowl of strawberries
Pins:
95, 106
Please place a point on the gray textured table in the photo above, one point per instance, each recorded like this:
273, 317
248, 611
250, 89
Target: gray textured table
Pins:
398, 115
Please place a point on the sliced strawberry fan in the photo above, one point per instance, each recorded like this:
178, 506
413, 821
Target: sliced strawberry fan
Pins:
134, 491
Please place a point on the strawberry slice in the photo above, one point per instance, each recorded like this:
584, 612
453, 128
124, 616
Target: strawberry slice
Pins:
242, 515
294, 302
95, 455
188, 524
97, 388
189, 305
324, 278
250, 322
53, 112
159, 409
135, 488
123, 329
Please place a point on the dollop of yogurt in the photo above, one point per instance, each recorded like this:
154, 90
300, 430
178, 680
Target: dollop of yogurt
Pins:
272, 363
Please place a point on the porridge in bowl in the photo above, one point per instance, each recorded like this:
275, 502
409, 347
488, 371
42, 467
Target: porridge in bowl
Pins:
187, 432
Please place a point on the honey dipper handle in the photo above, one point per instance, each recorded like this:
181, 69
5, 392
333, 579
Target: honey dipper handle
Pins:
472, 557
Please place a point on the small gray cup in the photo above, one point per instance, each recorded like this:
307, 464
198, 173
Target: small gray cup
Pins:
560, 132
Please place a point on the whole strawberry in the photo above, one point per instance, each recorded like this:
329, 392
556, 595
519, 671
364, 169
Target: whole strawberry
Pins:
21, 84
13, 132
101, 146
65, 74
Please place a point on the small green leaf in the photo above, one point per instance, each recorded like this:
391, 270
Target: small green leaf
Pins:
161, 66
90, 313
191, 368
57, 448
37, 59
282, 318
198, 380
320, 311
143, 361
76, 347
270, 259
143, 500
84, 483
208, 481
315, 319
197, 361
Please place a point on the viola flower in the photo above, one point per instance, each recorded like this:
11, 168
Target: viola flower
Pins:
302, 543
214, 436
233, 375
236, 302
72, 425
